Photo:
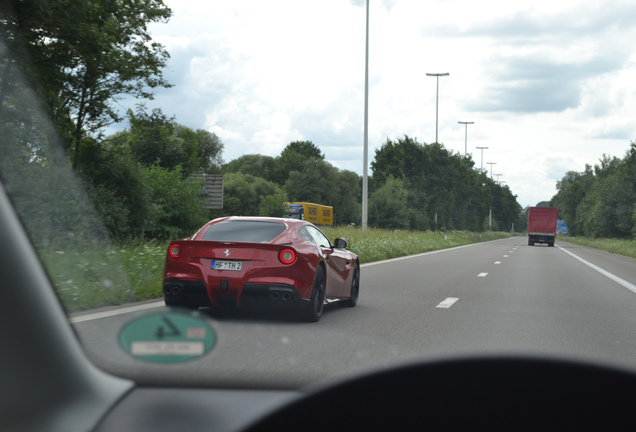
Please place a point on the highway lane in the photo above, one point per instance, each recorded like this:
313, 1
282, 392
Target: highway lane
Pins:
502, 297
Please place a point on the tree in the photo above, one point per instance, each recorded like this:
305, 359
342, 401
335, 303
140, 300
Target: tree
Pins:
313, 181
151, 138
318, 181
404, 160
155, 138
176, 208
273, 205
614, 206
117, 188
243, 194
254, 164
348, 198
572, 190
84, 56
388, 206
293, 157
600, 201
201, 150
444, 190
401, 159
305, 149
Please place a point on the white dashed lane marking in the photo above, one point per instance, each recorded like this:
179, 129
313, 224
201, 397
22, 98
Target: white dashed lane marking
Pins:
447, 303
482, 274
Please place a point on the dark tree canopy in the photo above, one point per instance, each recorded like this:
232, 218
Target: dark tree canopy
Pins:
155, 138
601, 200
293, 157
81, 56
444, 191
253, 164
304, 149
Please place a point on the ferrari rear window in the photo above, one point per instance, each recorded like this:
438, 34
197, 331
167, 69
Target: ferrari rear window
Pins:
244, 231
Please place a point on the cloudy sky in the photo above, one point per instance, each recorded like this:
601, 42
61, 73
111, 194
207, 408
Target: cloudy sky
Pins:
550, 85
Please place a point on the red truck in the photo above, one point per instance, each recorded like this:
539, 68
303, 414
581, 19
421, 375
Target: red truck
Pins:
542, 225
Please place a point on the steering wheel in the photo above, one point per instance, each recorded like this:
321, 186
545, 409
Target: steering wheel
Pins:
490, 394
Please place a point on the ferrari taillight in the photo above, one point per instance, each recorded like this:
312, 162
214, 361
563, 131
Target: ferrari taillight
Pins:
174, 251
287, 256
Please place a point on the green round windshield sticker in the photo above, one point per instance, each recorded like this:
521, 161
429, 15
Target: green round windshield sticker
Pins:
168, 337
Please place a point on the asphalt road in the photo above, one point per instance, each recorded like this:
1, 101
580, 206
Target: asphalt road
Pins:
500, 297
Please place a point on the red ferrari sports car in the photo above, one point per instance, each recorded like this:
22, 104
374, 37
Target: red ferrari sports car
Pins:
259, 263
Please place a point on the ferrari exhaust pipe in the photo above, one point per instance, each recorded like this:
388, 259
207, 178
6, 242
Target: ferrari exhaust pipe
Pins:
171, 290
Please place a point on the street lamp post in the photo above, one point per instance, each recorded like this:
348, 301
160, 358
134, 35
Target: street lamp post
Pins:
437, 75
365, 177
491, 164
482, 156
465, 135
497, 175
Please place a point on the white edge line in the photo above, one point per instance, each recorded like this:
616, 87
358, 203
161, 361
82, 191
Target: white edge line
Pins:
115, 312
369, 264
613, 277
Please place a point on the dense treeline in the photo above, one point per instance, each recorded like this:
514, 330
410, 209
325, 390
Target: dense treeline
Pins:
425, 186
413, 187
601, 200
65, 64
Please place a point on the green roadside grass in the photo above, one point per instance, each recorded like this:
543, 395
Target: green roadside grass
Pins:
376, 244
98, 276
617, 246
102, 276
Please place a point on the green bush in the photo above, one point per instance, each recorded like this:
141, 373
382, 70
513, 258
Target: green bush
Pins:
176, 204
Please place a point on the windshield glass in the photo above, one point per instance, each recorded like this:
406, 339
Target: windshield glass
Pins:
244, 231
126, 126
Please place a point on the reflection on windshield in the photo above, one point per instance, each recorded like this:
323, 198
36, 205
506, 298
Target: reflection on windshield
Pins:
54, 208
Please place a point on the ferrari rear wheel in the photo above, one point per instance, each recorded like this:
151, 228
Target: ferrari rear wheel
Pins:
317, 303
355, 289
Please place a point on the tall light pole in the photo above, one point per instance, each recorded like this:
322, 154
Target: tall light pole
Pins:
482, 156
497, 175
365, 159
437, 75
491, 164
465, 135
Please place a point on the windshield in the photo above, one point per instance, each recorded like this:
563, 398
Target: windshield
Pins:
244, 231
128, 126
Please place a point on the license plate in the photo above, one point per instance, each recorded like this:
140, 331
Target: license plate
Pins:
226, 265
